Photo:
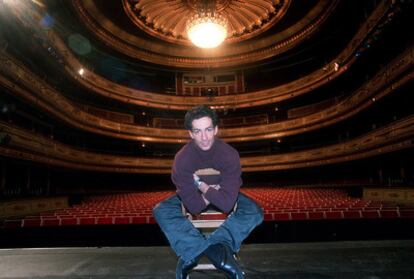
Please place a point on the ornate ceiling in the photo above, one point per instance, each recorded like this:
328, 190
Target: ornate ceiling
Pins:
259, 29
166, 20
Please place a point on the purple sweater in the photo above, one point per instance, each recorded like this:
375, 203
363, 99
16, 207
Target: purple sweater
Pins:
220, 165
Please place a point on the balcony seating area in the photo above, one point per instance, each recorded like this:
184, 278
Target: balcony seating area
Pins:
227, 122
279, 204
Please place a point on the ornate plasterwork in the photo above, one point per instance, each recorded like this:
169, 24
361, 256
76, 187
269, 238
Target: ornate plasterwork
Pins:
163, 52
33, 147
293, 89
48, 99
166, 20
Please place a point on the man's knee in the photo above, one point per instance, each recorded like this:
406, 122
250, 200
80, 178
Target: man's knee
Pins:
157, 210
248, 205
161, 206
259, 215
166, 207
255, 213
250, 209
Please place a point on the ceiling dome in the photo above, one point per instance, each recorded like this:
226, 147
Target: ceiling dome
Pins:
154, 31
166, 20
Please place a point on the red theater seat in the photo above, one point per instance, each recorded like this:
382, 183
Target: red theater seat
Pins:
299, 215
353, 214
49, 222
87, 221
121, 220
104, 221
333, 214
404, 213
370, 214
390, 213
139, 220
69, 221
268, 217
316, 215
31, 223
151, 220
282, 216
12, 224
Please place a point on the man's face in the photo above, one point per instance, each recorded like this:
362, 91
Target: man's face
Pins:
203, 132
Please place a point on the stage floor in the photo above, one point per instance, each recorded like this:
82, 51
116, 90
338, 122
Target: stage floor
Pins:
391, 259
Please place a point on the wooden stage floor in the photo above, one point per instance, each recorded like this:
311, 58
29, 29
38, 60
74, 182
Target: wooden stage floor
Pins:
389, 259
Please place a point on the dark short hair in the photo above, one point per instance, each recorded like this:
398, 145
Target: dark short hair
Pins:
197, 113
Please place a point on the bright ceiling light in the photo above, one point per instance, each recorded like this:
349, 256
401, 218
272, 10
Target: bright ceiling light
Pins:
207, 30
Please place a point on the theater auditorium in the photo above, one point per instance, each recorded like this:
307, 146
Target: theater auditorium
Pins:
316, 96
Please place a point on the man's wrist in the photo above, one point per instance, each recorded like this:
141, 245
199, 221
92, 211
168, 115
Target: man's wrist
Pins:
206, 201
198, 183
203, 187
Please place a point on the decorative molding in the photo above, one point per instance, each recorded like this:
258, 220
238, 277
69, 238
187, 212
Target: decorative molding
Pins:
24, 84
329, 72
167, 20
33, 147
190, 57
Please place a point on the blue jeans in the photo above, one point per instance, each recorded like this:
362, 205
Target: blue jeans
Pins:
188, 242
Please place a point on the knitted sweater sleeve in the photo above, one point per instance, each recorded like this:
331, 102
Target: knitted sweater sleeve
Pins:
225, 197
182, 177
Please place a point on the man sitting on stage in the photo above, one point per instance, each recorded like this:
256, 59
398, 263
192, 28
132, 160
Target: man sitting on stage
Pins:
207, 173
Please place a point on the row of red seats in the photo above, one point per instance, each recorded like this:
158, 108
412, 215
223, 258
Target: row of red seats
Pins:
115, 209
74, 221
279, 204
268, 216
97, 212
137, 203
329, 208
297, 198
341, 214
